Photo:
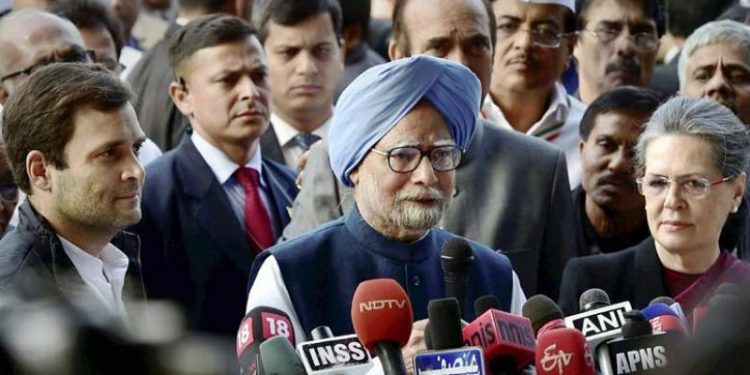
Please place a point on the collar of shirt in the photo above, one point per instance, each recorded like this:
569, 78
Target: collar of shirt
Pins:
556, 113
285, 132
221, 165
108, 269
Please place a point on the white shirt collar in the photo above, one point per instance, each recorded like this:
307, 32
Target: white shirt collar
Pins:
285, 132
221, 165
105, 274
555, 114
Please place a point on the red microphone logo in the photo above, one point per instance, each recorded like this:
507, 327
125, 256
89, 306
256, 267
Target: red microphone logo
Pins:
551, 359
277, 325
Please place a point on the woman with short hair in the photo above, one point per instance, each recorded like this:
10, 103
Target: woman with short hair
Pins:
691, 159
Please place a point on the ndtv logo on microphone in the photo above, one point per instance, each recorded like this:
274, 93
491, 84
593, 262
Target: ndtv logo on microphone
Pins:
382, 305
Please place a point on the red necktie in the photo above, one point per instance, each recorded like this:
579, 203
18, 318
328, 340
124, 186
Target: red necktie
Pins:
257, 222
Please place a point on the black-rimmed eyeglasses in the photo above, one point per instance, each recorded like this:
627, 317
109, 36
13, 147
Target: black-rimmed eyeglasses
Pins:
72, 55
407, 158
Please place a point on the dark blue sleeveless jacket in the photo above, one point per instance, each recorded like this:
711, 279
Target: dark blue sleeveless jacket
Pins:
322, 269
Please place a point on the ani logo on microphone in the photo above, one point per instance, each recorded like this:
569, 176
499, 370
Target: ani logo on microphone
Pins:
551, 359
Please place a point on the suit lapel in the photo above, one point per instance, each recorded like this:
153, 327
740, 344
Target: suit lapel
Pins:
281, 200
210, 206
269, 145
648, 269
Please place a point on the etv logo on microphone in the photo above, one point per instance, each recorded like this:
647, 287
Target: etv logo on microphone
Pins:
381, 305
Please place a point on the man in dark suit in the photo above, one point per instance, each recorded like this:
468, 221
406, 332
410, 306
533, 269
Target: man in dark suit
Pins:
213, 203
303, 42
511, 191
151, 76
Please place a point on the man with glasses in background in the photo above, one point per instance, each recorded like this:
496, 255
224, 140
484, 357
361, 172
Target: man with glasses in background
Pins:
617, 44
534, 45
401, 129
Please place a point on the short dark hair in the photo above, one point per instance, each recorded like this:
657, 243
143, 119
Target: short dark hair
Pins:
206, 6
91, 14
653, 8
629, 99
402, 38
356, 13
683, 17
292, 12
39, 116
204, 32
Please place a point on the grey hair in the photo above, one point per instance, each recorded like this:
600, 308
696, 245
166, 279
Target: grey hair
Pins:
703, 118
726, 31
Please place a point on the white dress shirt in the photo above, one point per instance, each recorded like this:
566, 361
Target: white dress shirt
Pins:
223, 168
559, 125
105, 274
285, 133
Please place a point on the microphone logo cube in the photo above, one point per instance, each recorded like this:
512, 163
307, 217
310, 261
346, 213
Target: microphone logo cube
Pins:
336, 355
600, 323
276, 325
244, 335
463, 361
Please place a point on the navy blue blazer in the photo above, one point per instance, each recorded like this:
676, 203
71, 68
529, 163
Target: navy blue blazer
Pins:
194, 250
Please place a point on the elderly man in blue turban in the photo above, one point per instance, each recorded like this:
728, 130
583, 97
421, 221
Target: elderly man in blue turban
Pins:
397, 136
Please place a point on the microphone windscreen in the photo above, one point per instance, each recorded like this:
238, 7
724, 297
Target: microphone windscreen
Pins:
592, 299
563, 351
660, 309
484, 303
728, 289
636, 325
663, 299
445, 324
381, 312
540, 310
321, 332
278, 357
456, 256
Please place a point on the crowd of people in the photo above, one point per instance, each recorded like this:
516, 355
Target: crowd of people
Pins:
278, 153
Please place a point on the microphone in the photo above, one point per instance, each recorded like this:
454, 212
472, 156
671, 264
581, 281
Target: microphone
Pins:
543, 313
444, 324
484, 303
593, 298
507, 340
599, 322
639, 351
455, 259
664, 319
563, 351
447, 354
260, 324
382, 318
278, 357
326, 354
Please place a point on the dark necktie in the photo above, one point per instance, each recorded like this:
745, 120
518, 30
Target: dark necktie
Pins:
305, 140
257, 222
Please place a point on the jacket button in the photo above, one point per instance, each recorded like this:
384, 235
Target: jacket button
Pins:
415, 280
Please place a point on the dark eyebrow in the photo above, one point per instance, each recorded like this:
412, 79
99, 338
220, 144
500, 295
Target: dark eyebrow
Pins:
508, 18
436, 41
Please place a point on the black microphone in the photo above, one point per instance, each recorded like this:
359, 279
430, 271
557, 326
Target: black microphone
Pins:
326, 354
639, 350
456, 258
484, 303
542, 312
593, 298
599, 321
444, 324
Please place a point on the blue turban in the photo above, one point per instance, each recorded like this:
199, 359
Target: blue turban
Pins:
381, 96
